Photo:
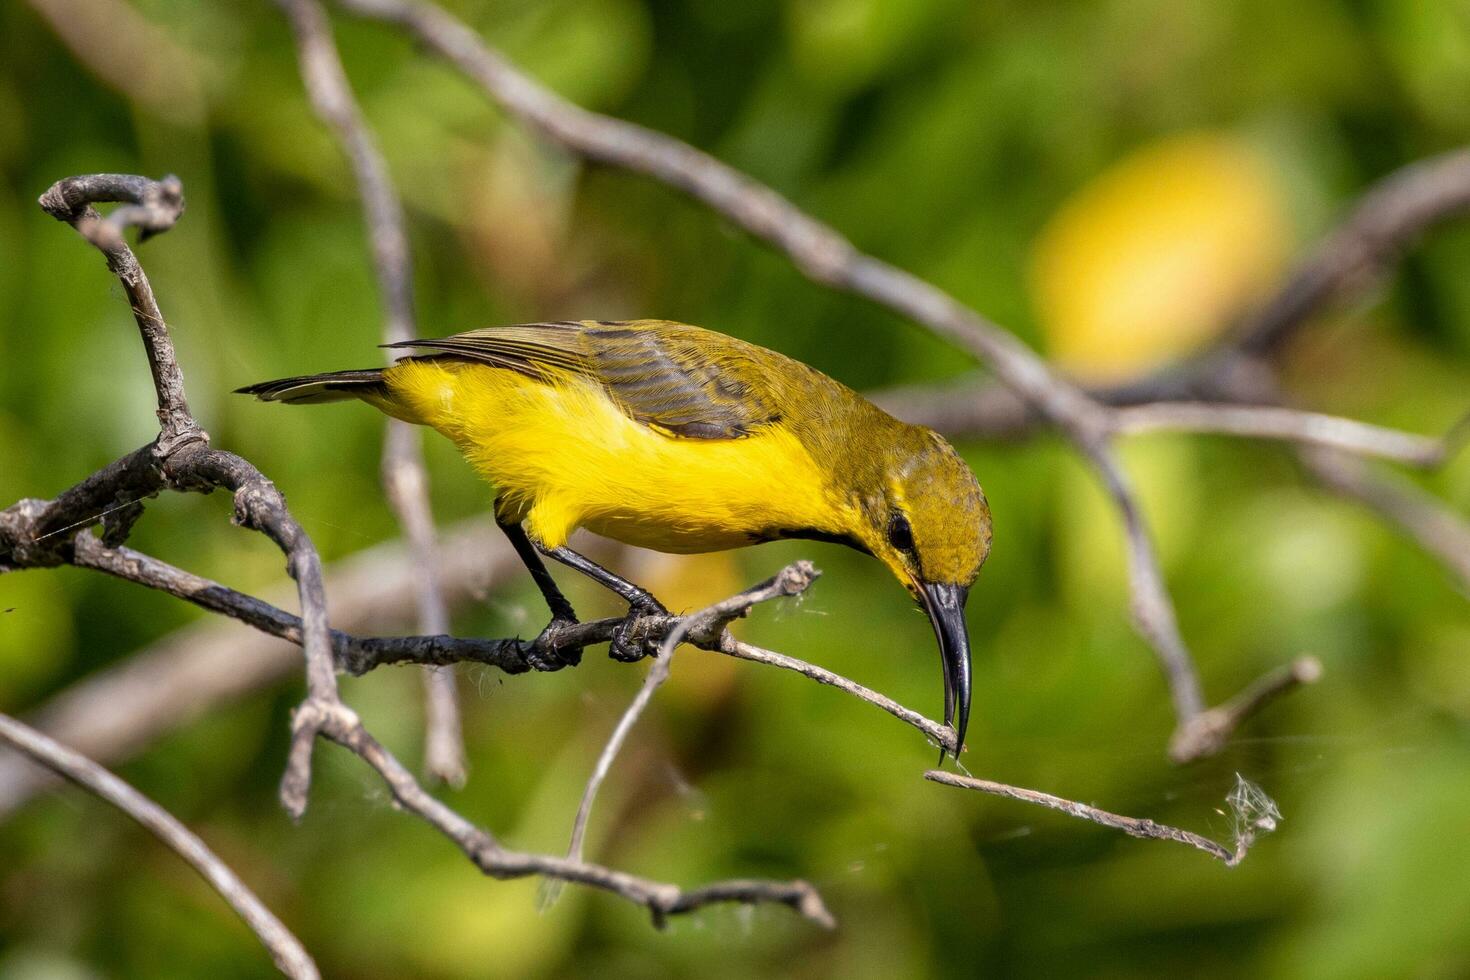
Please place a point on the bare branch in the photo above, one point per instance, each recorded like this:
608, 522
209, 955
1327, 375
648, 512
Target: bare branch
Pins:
1385, 221
1153, 613
406, 482
940, 735
119, 711
966, 408
1438, 530
1207, 732
152, 206
115, 713
1313, 428
1254, 812
358, 655
290, 956
181, 456
330, 718
405, 478
792, 580
662, 900
992, 412
819, 251
185, 462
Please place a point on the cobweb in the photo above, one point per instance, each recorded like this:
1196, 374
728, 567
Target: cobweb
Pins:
1252, 813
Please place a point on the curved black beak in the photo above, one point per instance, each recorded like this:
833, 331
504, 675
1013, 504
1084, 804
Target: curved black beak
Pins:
945, 605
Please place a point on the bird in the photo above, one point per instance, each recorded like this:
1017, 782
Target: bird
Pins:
684, 440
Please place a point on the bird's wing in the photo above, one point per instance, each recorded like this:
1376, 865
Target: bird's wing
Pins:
686, 381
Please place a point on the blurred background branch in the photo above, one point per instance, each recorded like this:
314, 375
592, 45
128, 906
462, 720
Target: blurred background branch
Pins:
404, 477
290, 956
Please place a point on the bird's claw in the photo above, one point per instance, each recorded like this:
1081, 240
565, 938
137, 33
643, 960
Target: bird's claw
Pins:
631, 641
546, 654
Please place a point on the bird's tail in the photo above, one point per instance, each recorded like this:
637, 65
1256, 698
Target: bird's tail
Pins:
311, 389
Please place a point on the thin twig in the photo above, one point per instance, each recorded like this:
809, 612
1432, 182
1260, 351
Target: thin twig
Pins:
152, 206
940, 735
117, 712
1310, 428
1153, 613
338, 723
290, 956
1384, 221
405, 478
792, 580
1441, 532
1132, 826
1207, 732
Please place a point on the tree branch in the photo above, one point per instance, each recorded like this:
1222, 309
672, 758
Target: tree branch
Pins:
1393, 213
151, 206
1255, 814
115, 713
1208, 732
1442, 533
1382, 225
290, 956
1307, 428
405, 478
185, 462
710, 622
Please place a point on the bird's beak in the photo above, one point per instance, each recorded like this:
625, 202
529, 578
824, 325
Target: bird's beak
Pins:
945, 605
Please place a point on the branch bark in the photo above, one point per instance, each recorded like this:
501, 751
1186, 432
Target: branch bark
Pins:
1291, 425
405, 477
792, 580
1254, 813
1385, 221
119, 711
290, 956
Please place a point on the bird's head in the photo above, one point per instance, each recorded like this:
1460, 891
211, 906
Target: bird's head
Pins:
929, 522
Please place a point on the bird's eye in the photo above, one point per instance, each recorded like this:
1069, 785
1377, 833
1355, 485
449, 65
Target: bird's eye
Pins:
900, 535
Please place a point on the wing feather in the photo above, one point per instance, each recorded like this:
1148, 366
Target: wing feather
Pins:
685, 381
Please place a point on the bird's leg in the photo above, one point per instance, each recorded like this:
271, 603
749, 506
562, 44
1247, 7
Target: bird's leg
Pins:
624, 646
545, 655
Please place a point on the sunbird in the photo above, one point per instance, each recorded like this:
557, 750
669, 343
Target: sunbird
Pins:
680, 439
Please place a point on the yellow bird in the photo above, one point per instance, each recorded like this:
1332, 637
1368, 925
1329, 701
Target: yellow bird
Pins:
680, 439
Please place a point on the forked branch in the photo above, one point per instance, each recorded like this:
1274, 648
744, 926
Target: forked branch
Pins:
405, 478
36, 533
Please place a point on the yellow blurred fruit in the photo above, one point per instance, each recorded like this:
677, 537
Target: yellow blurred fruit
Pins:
1158, 255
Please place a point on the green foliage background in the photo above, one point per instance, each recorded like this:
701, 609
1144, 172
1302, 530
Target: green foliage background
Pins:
938, 134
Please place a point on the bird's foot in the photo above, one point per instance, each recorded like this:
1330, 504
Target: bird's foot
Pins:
631, 641
549, 652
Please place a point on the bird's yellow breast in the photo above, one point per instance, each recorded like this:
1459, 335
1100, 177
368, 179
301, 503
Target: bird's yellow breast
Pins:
564, 455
